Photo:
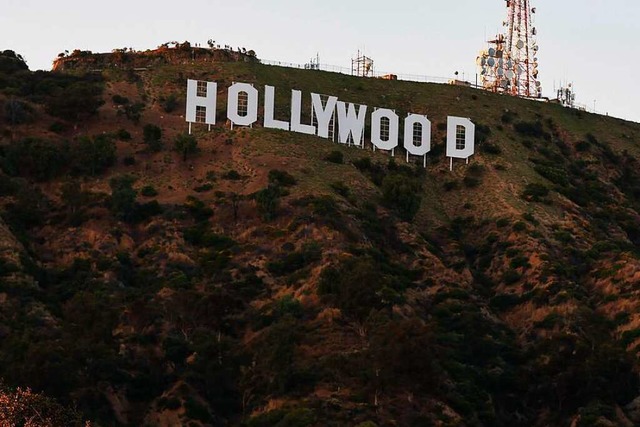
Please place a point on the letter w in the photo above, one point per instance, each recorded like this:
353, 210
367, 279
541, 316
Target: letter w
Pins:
351, 123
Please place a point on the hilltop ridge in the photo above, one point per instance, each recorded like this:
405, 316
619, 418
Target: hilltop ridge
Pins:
262, 277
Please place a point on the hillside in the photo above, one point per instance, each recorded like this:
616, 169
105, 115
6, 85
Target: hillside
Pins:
276, 279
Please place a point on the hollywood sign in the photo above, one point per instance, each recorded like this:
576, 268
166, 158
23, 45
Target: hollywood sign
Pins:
327, 112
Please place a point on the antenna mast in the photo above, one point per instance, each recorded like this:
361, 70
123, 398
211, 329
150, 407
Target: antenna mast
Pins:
510, 65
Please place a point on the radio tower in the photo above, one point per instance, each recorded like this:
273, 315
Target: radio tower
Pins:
510, 65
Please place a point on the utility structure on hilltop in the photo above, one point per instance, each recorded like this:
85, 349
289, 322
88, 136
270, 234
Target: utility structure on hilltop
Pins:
510, 64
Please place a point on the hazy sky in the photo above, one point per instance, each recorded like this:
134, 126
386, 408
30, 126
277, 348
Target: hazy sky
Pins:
593, 43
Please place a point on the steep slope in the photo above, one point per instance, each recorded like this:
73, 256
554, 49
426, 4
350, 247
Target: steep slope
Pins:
273, 278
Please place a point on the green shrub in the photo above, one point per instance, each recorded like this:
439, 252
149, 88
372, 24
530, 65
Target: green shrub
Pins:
341, 188
402, 193
76, 101
451, 185
129, 161
149, 191
519, 226
120, 100
123, 197
503, 222
201, 235
198, 209
133, 112
511, 276
203, 188
123, 135
186, 144
232, 175
535, 192
508, 117
471, 181
531, 129
58, 127
294, 261
282, 178
335, 157
267, 201
169, 104
92, 156
152, 136
491, 148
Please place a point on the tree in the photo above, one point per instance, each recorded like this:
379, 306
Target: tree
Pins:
10, 62
170, 103
402, 192
77, 101
123, 197
36, 158
268, 201
75, 200
92, 156
17, 112
153, 137
186, 144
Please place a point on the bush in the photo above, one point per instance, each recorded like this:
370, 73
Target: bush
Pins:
341, 188
92, 156
149, 191
129, 161
152, 135
511, 276
123, 197
508, 117
282, 178
133, 112
471, 181
335, 157
169, 104
198, 209
491, 148
531, 129
232, 175
403, 193
535, 192
36, 158
120, 100
359, 285
123, 135
17, 112
58, 127
76, 101
519, 226
203, 188
268, 201
451, 185
186, 144
294, 261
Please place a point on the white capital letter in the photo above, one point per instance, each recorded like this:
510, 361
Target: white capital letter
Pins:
252, 104
269, 101
323, 114
376, 122
350, 123
208, 102
409, 134
461, 137
296, 112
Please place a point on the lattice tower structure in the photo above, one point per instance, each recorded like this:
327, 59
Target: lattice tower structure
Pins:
510, 64
522, 48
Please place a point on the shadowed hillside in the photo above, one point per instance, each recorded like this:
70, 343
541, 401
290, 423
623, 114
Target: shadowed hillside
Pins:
255, 277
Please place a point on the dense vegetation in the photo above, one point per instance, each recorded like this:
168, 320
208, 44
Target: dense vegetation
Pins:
262, 278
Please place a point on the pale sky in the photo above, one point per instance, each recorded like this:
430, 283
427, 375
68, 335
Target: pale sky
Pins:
594, 43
